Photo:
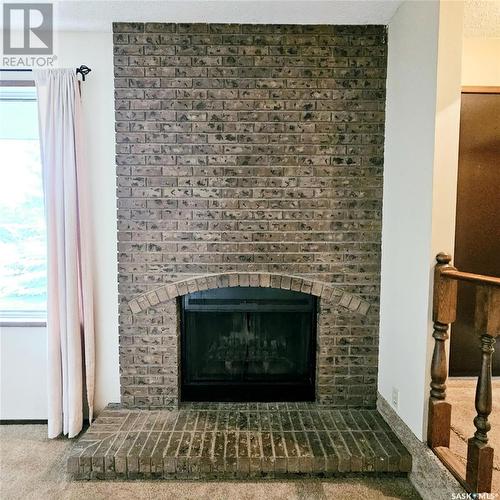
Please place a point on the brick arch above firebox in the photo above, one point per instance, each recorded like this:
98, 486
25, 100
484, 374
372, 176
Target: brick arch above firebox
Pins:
321, 289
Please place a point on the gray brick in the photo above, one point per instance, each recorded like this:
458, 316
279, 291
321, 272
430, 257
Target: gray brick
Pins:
251, 149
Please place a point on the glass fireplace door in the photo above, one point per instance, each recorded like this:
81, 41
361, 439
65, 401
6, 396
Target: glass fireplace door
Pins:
248, 344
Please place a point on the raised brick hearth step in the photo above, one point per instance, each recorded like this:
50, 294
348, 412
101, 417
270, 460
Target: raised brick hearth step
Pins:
228, 440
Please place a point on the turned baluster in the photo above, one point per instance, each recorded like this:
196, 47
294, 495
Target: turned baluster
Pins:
444, 313
439, 366
483, 391
479, 454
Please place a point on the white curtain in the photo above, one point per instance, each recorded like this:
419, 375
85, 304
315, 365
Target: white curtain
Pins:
70, 316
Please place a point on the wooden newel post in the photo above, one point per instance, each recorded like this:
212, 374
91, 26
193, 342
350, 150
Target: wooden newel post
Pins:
444, 313
479, 454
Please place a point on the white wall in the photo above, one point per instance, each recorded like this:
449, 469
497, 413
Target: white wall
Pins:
23, 373
423, 91
409, 150
481, 62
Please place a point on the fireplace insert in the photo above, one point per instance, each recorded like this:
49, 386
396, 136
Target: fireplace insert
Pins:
248, 344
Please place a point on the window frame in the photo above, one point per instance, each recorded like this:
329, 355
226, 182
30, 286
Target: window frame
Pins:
21, 318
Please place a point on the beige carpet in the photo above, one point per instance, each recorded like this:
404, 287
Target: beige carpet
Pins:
461, 394
33, 467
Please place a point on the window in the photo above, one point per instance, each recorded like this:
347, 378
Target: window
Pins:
23, 270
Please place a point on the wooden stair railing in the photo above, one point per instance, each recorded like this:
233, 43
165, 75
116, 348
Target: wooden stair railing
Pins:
479, 468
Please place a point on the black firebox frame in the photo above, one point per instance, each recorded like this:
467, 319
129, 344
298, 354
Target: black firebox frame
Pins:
241, 299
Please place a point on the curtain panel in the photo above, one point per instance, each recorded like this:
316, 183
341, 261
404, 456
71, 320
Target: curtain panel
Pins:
70, 315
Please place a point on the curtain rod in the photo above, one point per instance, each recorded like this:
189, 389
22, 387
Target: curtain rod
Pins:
82, 70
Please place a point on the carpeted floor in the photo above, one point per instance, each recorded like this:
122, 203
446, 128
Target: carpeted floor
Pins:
33, 467
460, 393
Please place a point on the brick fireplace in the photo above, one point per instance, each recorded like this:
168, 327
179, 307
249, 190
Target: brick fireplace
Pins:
249, 156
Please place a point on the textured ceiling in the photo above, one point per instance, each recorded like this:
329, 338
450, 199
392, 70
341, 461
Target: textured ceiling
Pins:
482, 18
71, 15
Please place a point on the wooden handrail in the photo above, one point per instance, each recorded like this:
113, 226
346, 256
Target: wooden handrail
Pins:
479, 468
480, 279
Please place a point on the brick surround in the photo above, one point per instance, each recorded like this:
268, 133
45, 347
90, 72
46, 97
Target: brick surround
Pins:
250, 149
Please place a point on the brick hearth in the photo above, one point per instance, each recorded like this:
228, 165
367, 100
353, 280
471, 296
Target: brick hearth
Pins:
236, 440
